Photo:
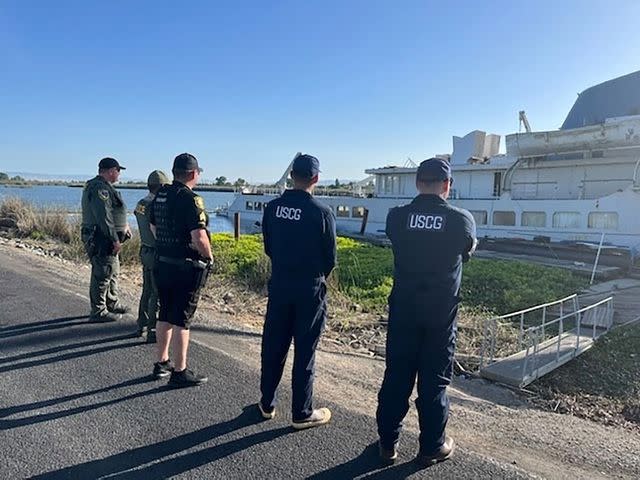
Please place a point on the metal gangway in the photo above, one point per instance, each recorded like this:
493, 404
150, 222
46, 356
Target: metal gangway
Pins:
549, 335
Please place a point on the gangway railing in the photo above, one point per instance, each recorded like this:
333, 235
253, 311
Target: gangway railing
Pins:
590, 322
538, 315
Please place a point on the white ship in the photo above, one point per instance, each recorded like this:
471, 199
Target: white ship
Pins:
576, 184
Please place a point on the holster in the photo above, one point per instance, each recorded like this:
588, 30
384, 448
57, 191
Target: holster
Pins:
202, 270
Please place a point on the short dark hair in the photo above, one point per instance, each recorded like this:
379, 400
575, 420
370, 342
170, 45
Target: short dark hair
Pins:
181, 174
296, 177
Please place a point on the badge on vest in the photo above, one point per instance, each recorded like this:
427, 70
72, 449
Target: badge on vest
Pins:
425, 221
288, 213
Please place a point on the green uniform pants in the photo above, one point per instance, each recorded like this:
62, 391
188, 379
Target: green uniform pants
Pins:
148, 308
103, 290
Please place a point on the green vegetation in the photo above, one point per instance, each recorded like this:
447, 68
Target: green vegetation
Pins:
364, 275
602, 384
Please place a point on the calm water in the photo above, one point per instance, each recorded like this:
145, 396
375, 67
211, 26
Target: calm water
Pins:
69, 199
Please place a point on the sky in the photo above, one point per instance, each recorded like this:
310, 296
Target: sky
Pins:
245, 85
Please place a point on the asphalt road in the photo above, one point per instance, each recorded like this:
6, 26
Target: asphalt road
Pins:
76, 401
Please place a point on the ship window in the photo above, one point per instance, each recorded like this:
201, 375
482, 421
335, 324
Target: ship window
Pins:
357, 212
480, 216
497, 184
533, 219
603, 220
257, 206
504, 218
249, 206
342, 211
566, 220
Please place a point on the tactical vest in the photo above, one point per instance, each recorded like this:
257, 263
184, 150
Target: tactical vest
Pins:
170, 241
90, 195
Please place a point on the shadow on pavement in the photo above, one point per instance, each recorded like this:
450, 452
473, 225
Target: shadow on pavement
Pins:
67, 356
368, 463
121, 465
38, 327
8, 411
21, 326
45, 417
62, 348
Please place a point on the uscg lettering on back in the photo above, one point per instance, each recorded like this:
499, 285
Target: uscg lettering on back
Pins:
426, 222
288, 213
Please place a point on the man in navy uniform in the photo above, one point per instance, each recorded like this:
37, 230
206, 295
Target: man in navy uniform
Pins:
300, 238
183, 260
430, 240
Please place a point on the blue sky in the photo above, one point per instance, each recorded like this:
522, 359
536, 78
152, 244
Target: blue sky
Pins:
244, 85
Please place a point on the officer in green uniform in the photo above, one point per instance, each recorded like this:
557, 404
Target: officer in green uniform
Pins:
148, 308
104, 229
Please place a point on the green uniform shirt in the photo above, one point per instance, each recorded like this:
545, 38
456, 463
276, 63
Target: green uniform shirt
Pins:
102, 206
142, 213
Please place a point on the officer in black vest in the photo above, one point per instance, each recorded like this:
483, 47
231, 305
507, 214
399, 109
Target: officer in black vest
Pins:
300, 238
179, 222
430, 240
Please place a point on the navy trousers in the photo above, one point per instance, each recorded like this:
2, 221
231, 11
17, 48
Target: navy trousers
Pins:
295, 310
420, 343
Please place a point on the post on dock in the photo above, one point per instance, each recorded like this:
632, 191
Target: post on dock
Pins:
365, 218
236, 225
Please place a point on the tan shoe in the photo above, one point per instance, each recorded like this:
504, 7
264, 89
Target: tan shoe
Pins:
445, 452
318, 417
388, 455
267, 415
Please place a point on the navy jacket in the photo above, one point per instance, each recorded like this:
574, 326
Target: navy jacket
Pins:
299, 236
430, 240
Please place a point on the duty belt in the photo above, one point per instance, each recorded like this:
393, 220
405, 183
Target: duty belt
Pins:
181, 262
184, 262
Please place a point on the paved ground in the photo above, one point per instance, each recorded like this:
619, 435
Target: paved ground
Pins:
76, 402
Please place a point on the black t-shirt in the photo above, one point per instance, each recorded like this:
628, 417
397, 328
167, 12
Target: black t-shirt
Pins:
177, 211
299, 236
430, 240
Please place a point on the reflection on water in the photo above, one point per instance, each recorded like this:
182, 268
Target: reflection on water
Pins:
69, 199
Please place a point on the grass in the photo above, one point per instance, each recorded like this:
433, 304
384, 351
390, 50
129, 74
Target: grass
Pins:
364, 274
602, 384
38, 224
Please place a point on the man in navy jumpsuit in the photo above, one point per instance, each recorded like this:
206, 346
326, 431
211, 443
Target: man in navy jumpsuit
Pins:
430, 240
300, 238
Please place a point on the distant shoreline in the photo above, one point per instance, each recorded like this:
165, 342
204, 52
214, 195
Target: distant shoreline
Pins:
143, 186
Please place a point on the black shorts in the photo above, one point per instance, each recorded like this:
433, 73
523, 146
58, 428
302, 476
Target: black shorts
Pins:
178, 292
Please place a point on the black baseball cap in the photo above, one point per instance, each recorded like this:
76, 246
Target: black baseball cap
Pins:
306, 166
187, 162
107, 162
434, 170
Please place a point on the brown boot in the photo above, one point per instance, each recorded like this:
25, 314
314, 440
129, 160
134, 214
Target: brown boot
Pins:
443, 453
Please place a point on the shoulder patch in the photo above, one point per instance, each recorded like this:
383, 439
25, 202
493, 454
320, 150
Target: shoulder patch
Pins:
199, 201
103, 194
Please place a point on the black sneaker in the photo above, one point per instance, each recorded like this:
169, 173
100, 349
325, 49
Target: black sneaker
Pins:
119, 308
105, 317
151, 336
186, 378
162, 369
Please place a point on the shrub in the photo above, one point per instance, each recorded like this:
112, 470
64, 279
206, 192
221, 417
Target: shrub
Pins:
39, 224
